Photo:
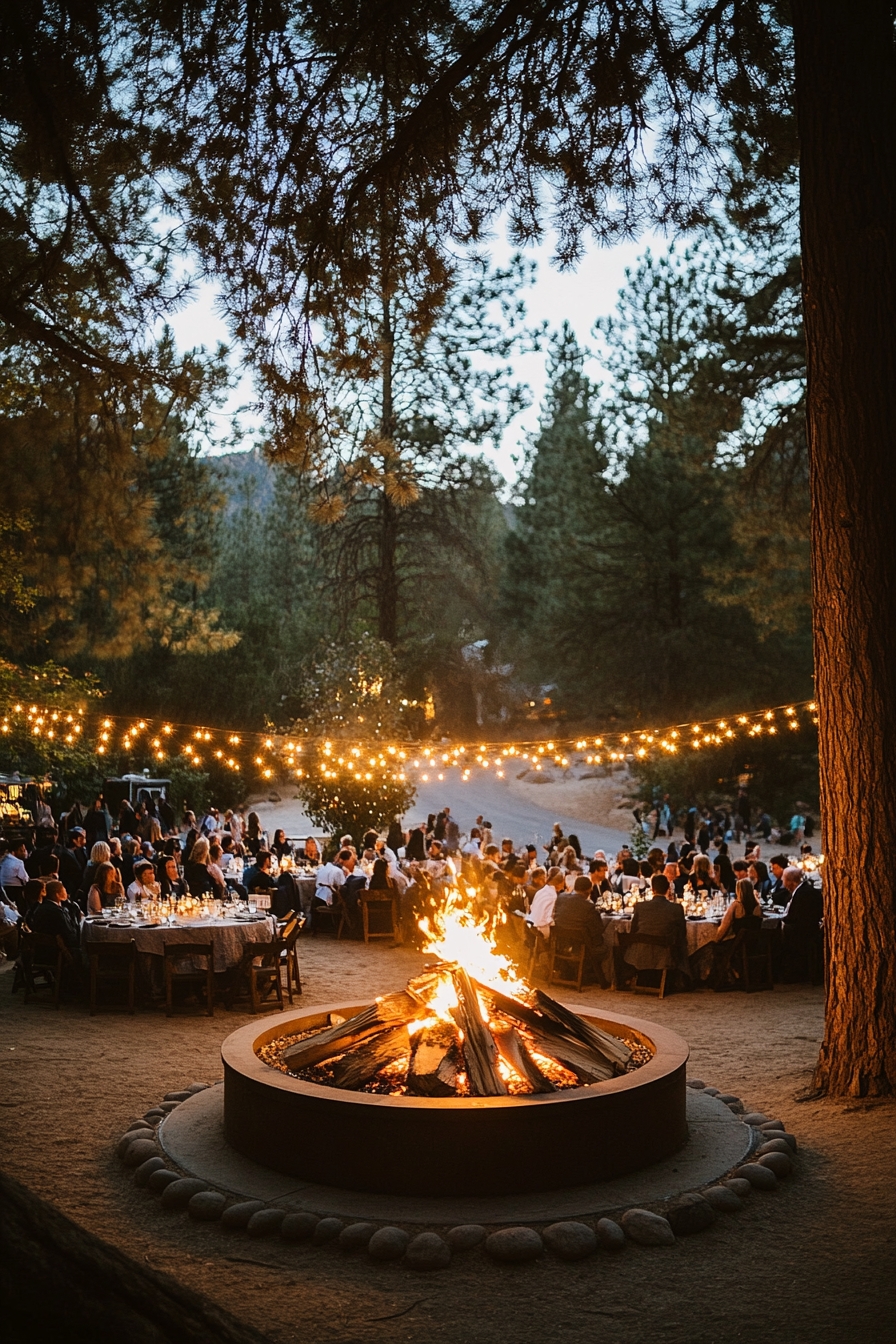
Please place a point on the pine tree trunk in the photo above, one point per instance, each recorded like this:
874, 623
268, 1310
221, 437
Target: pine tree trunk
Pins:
846, 106
387, 577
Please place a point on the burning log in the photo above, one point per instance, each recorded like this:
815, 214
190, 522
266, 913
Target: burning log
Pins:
391, 1010
434, 1061
602, 1041
514, 1052
585, 1063
480, 1051
359, 1064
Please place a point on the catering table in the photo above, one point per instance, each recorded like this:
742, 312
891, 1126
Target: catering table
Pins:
700, 932
227, 936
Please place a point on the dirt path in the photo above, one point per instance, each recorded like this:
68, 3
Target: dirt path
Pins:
811, 1264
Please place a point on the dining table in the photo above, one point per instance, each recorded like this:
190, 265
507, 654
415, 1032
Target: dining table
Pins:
699, 931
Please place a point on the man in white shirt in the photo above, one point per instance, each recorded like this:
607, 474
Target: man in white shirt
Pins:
541, 912
473, 847
13, 872
330, 877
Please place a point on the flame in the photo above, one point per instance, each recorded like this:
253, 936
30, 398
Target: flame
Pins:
460, 933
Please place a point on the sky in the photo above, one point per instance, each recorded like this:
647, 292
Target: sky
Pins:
578, 296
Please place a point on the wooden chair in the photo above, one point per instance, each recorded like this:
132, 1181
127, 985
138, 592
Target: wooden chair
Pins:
289, 960
258, 972
336, 914
381, 901
627, 941
113, 964
539, 951
569, 951
203, 981
45, 955
752, 957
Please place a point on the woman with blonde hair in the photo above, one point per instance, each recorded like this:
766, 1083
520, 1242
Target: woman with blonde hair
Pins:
743, 915
198, 877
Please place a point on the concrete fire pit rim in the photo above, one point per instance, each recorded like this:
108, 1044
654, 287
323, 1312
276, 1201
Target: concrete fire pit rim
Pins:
238, 1053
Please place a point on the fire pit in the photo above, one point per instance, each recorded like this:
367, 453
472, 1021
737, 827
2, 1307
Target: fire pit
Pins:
465, 1083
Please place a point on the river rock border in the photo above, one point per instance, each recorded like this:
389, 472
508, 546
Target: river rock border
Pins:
771, 1159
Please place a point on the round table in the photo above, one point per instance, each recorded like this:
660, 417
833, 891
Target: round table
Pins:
699, 933
227, 936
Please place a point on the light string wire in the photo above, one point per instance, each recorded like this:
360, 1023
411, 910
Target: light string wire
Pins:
273, 755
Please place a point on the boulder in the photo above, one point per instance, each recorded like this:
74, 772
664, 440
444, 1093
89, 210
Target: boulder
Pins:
298, 1226
759, 1177
647, 1229
178, 1194
571, 1241
146, 1169
514, 1245
389, 1243
428, 1251
465, 1237
161, 1178
140, 1151
739, 1185
238, 1215
723, 1200
610, 1236
690, 1213
328, 1229
356, 1236
779, 1163
265, 1222
207, 1206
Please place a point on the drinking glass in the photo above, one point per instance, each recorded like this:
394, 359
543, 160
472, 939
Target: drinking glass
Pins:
253, 905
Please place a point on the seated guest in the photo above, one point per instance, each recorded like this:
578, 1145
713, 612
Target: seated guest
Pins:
381, 879
656, 859
9, 929
280, 845
778, 893
685, 865
144, 885
541, 909
13, 872
415, 849
171, 885
473, 848
701, 878
354, 883
395, 836
508, 853
199, 878
255, 838
29, 897
259, 877
758, 875
743, 913
490, 862
54, 916
805, 907
660, 917
106, 889
215, 854
130, 853
101, 852
598, 875
672, 873
723, 874
330, 878
512, 888
575, 917
226, 859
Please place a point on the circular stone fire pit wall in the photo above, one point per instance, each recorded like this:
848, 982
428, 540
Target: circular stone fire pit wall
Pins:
455, 1145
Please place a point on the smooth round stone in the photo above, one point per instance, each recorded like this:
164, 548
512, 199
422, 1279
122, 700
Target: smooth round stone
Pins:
775, 1146
428, 1251
140, 1151
723, 1200
727, 1097
712, 1091
207, 1206
266, 1222
772, 1124
161, 1178
755, 1118
175, 1096
759, 1177
138, 1124
779, 1163
741, 1187
298, 1226
697, 1083
328, 1229
168, 1106
196, 1087
465, 1237
132, 1136
514, 1245
610, 1236
647, 1229
238, 1215
178, 1194
690, 1213
571, 1241
146, 1169
788, 1138
154, 1116
356, 1236
389, 1243
735, 1107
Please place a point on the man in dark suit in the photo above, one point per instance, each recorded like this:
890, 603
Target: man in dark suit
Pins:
659, 917
802, 923
575, 915
778, 893
51, 917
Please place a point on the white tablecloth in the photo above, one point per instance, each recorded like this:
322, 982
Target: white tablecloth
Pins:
227, 936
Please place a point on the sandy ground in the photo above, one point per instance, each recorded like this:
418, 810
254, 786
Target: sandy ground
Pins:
812, 1262
604, 801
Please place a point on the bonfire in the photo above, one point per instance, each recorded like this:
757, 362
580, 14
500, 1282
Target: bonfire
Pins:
466, 1027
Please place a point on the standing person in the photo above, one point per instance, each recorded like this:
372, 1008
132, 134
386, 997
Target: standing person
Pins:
395, 837
97, 823
127, 818
452, 834
415, 848
797, 826
255, 838
166, 817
